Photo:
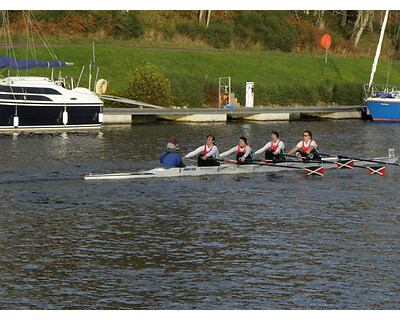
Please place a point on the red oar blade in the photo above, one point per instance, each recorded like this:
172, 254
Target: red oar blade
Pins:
230, 161
315, 171
377, 170
345, 164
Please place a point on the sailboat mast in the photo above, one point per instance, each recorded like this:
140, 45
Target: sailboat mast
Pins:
378, 50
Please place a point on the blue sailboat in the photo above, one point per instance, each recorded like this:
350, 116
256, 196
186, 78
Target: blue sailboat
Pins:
383, 101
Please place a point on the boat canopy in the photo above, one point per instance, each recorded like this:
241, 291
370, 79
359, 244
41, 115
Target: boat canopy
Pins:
6, 62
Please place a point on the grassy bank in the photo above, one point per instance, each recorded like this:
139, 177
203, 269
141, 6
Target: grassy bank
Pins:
279, 78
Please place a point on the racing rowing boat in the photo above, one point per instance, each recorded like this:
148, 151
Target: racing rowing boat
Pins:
233, 168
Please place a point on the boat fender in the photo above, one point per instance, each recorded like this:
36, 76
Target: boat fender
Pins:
16, 121
101, 86
65, 117
101, 117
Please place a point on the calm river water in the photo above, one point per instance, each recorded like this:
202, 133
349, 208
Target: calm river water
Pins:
265, 241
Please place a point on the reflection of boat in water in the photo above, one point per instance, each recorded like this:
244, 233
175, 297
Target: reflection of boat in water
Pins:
39, 103
383, 101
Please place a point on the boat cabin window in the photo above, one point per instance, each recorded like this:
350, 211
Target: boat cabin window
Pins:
24, 97
28, 90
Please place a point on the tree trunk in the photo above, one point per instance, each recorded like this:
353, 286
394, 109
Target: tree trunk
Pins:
344, 18
319, 14
200, 15
371, 22
363, 17
208, 18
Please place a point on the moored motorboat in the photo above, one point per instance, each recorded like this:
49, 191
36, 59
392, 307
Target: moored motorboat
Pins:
28, 103
40, 103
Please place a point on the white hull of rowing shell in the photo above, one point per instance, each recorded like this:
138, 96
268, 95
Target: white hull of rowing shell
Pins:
228, 169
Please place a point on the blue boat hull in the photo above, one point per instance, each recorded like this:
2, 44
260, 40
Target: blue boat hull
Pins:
384, 110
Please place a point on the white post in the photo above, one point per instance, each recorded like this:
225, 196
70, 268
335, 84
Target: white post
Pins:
249, 94
229, 91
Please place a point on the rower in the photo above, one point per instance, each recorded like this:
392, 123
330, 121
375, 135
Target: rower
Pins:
307, 148
171, 158
243, 151
208, 153
274, 149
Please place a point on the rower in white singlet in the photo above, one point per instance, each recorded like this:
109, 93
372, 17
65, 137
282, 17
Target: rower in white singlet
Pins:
307, 148
243, 151
274, 149
207, 154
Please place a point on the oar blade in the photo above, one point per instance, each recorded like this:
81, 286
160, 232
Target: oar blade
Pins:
377, 170
229, 161
345, 164
315, 171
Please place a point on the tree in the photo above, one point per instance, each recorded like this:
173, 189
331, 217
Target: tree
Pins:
319, 15
148, 85
207, 19
343, 20
363, 17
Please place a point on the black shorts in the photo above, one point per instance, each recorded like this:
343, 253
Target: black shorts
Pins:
209, 162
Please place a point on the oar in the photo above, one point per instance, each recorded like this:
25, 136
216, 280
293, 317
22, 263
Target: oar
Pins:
316, 170
359, 159
305, 159
348, 164
257, 161
308, 160
266, 160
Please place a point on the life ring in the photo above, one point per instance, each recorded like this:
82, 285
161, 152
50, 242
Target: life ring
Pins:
101, 86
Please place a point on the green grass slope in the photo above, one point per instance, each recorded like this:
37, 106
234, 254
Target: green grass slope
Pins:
268, 68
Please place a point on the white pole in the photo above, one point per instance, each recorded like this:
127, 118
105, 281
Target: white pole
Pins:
378, 50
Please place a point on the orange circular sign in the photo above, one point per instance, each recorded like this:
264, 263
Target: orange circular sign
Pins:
325, 41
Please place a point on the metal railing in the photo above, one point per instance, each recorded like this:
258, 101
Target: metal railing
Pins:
381, 91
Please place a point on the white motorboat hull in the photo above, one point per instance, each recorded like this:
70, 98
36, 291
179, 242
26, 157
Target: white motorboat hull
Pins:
34, 103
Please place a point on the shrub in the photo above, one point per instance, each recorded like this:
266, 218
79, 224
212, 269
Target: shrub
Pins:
286, 40
348, 94
306, 95
127, 25
168, 32
211, 98
219, 34
147, 84
190, 30
279, 33
188, 89
271, 29
325, 92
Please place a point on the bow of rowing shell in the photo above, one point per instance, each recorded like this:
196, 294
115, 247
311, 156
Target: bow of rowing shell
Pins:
328, 163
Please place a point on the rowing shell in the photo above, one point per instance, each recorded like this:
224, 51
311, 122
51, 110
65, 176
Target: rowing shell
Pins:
226, 168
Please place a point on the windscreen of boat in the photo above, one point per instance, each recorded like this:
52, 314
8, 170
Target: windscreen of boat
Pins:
38, 90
